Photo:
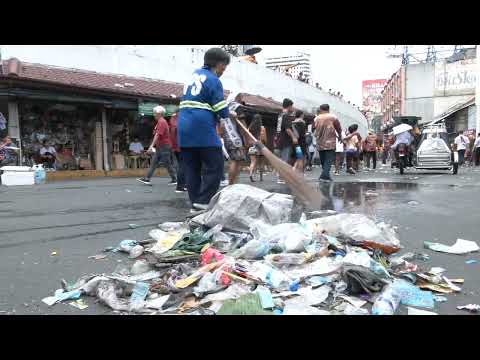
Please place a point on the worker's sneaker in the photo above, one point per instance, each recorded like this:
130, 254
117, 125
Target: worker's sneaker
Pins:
180, 190
200, 206
145, 181
224, 183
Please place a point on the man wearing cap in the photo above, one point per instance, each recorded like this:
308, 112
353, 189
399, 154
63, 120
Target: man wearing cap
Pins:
202, 106
161, 147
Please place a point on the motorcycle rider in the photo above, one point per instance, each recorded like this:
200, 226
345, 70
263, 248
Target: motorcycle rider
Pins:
405, 137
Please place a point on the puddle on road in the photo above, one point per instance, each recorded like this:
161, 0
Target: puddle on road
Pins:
364, 197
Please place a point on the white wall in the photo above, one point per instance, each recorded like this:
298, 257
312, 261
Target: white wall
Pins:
176, 63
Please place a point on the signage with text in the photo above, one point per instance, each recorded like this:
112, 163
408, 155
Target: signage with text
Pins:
458, 78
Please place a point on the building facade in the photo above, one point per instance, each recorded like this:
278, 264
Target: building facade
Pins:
433, 92
293, 65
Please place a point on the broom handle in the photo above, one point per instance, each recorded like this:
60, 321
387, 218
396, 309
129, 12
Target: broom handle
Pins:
246, 130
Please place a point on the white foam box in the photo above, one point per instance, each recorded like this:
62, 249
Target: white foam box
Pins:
17, 175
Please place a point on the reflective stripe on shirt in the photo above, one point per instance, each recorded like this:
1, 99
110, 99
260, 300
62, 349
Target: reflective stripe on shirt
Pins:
199, 105
195, 105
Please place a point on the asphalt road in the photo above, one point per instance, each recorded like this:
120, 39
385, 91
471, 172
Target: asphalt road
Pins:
77, 219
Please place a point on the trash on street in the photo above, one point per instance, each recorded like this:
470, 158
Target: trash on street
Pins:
248, 255
460, 247
470, 307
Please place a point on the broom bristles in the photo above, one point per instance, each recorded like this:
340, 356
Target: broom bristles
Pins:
297, 183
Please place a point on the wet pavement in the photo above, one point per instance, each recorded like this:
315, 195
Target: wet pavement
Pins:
78, 219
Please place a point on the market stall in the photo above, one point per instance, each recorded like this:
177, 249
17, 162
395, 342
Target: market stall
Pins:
68, 129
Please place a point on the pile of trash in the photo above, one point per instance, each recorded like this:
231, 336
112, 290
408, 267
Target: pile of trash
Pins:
253, 253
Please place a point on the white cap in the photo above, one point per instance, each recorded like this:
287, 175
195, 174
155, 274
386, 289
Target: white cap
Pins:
159, 110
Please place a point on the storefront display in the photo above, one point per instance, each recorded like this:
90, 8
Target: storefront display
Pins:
70, 129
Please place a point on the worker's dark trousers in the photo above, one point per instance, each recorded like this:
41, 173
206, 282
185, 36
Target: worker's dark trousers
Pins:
204, 169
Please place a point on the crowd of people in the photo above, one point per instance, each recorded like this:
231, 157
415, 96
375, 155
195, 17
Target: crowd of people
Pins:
193, 144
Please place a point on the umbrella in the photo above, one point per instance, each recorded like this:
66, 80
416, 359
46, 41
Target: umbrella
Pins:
401, 128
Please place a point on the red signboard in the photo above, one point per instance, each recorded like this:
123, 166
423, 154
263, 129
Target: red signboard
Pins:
372, 95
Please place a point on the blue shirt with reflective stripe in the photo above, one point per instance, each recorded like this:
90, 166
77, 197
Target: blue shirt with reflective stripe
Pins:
202, 105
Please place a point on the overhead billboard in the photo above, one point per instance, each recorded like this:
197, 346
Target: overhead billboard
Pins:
458, 78
372, 96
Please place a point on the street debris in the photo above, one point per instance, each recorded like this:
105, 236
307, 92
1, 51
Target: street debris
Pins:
253, 252
471, 262
133, 226
413, 311
474, 308
54, 253
98, 257
460, 247
79, 304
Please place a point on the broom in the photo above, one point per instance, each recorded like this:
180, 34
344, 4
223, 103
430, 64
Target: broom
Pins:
300, 188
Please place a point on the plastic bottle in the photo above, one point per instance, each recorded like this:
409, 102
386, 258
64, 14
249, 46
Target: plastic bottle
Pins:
387, 303
298, 152
40, 174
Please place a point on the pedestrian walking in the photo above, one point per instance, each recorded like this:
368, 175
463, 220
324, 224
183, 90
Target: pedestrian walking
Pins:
177, 158
236, 152
286, 137
327, 131
476, 147
370, 149
462, 142
387, 142
202, 105
309, 140
256, 158
161, 148
339, 154
352, 149
299, 129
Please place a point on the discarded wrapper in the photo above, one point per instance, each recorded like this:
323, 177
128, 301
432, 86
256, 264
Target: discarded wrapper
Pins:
470, 307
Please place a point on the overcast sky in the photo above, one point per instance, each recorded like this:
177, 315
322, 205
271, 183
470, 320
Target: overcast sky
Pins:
344, 67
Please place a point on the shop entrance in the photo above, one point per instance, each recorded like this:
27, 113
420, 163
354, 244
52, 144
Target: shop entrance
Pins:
62, 136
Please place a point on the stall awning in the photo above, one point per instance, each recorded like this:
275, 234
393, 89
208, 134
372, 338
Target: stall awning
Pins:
453, 109
146, 109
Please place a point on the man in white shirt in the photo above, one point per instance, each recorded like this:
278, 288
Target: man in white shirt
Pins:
339, 154
476, 150
462, 142
136, 147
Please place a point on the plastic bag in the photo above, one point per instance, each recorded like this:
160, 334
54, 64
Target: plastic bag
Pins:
139, 294
236, 207
357, 227
106, 293
136, 251
289, 237
210, 282
223, 242
254, 249
140, 267
301, 309
171, 226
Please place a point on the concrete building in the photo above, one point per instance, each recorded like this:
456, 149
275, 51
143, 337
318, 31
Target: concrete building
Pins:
434, 92
294, 64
